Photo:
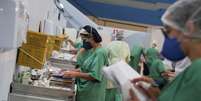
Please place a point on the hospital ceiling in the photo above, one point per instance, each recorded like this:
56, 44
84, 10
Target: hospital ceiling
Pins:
135, 11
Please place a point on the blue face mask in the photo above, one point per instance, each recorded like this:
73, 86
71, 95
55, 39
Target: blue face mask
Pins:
172, 50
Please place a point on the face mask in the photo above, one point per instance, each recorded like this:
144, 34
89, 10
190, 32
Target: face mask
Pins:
87, 45
172, 50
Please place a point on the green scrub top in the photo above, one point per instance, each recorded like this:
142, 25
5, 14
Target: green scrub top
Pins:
151, 55
156, 66
88, 90
186, 86
135, 57
81, 57
155, 70
113, 95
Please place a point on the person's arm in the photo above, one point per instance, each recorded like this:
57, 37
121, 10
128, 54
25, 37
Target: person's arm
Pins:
133, 97
152, 92
76, 70
168, 75
75, 74
141, 68
81, 50
71, 42
86, 76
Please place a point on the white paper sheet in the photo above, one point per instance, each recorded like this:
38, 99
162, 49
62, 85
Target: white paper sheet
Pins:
122, 74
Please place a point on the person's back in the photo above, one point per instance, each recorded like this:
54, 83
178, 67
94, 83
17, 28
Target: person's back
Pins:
136, 53
118, 50
156, 66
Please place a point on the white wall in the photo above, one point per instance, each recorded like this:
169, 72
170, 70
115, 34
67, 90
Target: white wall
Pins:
7, 68
156, 36
8, 55
130, 36
38, 10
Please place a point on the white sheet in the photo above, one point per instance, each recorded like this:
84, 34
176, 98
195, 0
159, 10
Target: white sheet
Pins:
121, 73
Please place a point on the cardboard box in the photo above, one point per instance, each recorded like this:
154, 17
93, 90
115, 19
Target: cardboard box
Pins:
33, 56
39, 39
58, 43
38, 49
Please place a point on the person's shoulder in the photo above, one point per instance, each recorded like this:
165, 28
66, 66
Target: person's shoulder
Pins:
192, 73
196, 65
125, 44
157, 61
101, 50
114, 43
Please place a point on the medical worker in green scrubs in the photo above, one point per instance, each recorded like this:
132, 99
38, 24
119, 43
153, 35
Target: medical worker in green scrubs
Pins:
135, 57
85, 50
92, 84
117, 50
183, 21
156, 66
